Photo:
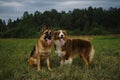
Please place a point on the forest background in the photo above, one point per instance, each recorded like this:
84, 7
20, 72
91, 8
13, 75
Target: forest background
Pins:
90, 21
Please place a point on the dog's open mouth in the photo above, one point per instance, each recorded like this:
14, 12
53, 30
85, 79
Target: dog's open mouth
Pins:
49, 41
62, 41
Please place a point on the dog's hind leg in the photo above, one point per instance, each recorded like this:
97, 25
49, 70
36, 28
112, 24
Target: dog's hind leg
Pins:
86, 60
88, 56
32, 61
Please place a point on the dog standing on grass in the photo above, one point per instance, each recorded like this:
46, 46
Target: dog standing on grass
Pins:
42, 49
67, 48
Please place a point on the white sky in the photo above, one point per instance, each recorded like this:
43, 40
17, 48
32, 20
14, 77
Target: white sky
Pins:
15, 8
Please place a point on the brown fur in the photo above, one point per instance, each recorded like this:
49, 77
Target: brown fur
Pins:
41, 51
78, 47
74, 47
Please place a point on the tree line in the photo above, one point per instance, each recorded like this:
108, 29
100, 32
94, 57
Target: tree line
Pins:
90, 21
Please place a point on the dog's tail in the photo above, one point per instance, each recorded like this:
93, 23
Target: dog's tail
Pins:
31, 54
92, 53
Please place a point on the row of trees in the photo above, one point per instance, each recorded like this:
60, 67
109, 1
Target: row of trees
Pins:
95, 21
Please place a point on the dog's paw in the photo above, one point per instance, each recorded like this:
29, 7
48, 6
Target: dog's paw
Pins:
49, 69
38, 70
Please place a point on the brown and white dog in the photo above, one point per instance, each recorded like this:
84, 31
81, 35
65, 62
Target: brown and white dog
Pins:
42, 49
68, 48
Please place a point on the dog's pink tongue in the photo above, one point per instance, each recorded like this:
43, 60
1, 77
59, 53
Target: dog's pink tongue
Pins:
62, 41
49, 42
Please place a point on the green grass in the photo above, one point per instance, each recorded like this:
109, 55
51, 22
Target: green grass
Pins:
105, 65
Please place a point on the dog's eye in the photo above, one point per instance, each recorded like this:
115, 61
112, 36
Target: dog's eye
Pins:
46, 33
50, 33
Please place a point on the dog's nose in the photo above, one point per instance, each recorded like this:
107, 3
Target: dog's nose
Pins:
61, 36
49, 37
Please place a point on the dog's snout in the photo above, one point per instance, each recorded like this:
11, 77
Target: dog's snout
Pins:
49, 37
61, 36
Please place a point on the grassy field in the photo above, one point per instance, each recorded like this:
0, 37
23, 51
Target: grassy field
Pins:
105, 65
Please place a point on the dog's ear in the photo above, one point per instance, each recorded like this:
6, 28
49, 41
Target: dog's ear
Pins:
44, 28
52, 32
51, 28
65, 32
55, 32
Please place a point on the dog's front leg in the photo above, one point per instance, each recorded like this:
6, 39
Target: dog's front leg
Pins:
48, 64
61, 61
38, 63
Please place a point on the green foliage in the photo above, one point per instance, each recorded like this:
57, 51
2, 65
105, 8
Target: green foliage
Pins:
2, 27
95, 21
97, 30
105, 64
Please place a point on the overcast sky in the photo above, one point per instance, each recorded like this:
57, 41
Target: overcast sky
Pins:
15, 8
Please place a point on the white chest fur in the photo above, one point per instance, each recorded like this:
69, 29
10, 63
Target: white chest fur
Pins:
58, 50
